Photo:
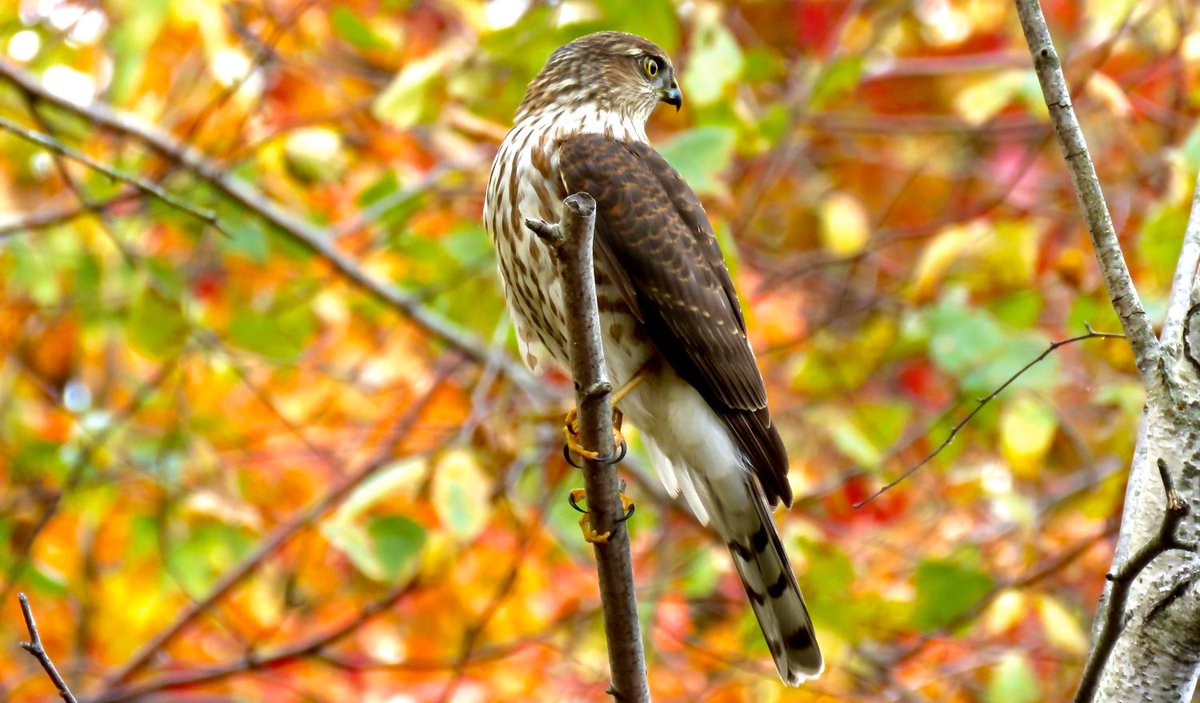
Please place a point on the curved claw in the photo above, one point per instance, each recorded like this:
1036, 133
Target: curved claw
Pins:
585, 522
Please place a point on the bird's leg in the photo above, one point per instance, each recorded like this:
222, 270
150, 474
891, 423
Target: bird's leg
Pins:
571, 423
634, 380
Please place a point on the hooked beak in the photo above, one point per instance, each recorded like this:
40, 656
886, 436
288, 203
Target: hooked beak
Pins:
672, 96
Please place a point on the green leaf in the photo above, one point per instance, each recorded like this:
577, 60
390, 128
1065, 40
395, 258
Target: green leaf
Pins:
204, 554
1191, 147
973, 346
349, 26
1012, 681
156, 325
279, 335
836, 79
702, 574
653, 19
405, 101
383, 186
129, 41
396, 541
716, 63
700, 155
945, 590
1162, 238
247, 236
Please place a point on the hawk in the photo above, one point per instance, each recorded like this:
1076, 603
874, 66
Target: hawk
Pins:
669, 313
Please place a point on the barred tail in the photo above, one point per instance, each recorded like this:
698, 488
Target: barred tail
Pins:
774, 595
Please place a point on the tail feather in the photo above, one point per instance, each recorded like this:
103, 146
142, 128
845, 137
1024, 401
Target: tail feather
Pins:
774, 595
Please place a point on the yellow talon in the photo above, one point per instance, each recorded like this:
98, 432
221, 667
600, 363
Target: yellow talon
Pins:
589, 533
571, 434
585, 524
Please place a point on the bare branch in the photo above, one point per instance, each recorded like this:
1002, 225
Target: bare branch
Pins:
47, 142
1114, 620
312, 646
571, 242
1091, 334
309, 236
60, 215
1121, 290
34, 647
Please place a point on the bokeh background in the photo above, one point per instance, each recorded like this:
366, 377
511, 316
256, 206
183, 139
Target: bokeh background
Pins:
265, 438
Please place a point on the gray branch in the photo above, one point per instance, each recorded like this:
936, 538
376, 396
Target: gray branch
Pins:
1091, 199
571, 242
1146, 642
34, 647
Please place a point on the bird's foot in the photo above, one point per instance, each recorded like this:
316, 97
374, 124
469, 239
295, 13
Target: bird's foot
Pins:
574, 446
590, 534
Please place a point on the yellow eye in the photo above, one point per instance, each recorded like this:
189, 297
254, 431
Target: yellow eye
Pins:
650, 66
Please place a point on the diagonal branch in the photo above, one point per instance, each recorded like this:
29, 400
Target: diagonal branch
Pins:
1120, 286
34, 647
311, 237
571, 243
146, 187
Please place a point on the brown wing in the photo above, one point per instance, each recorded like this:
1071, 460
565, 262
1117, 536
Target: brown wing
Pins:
652, 235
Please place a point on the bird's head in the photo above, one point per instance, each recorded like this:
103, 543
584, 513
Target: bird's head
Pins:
612, 71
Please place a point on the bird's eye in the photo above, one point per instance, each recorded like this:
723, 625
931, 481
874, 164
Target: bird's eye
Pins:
651, 66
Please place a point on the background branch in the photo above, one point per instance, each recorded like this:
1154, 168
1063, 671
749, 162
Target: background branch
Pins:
34, 647
311, 237
571, 242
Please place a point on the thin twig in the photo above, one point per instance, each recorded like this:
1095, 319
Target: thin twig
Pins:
312, 646
571, 242
1166, 539
57, 216
1091, 334
34, 647
1128, 306
47, 142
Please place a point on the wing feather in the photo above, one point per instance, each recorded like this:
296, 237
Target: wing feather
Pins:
654, 240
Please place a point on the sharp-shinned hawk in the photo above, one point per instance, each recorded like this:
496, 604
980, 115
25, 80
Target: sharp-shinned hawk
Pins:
665, 298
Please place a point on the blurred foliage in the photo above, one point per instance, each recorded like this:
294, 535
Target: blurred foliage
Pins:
899, 223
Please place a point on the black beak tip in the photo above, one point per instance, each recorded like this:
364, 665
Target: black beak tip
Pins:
673, 97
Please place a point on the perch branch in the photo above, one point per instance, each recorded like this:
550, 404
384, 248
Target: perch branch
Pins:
311, 237
1124, 296
1091, 334
1166, 539
571, 242
34, 647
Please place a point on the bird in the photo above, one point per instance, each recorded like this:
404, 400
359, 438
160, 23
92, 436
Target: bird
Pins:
671, 323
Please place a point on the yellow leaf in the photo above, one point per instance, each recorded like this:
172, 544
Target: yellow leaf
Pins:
1062, 628
982, 100
460, 494
1106, 89
844, 224
1005, 612
1027, 428
937, 258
